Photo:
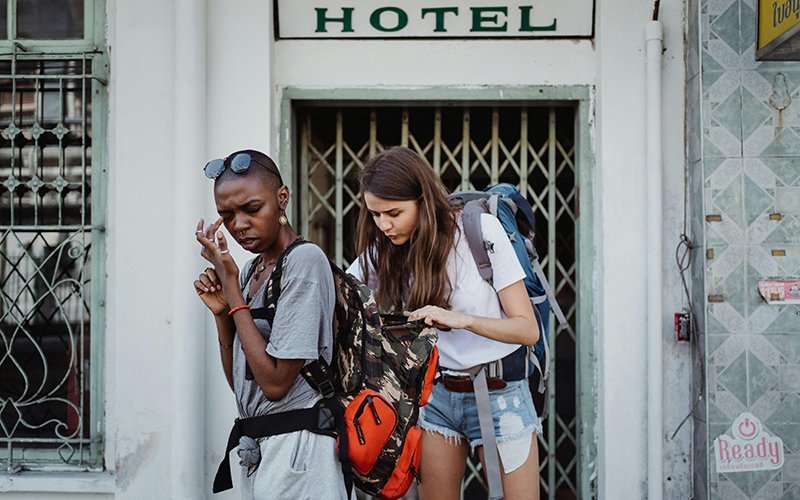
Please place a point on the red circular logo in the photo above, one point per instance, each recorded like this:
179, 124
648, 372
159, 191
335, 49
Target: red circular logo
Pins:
748, 429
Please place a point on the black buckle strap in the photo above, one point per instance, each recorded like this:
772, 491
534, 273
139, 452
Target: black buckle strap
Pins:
318, 419
223, 481
318, 375
344, 450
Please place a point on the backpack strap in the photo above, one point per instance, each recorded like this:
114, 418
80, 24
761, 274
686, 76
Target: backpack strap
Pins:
524, 208
490, 453
317, 419
471, 220
544, 371
319, 376
562, 320
459, 199
316, 373
248, 373
249, 274
267, 310
493, 200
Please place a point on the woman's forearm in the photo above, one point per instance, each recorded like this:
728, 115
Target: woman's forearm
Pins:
515, 330
225, 332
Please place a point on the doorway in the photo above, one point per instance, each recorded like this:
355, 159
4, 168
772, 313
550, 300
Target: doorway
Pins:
470, 145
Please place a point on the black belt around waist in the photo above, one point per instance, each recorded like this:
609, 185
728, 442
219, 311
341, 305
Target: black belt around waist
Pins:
318, 419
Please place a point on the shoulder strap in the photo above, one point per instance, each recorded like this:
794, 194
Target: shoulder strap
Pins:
249, 274
559, 314
471, 220
317, 373
524, 208
460, 198
267, 309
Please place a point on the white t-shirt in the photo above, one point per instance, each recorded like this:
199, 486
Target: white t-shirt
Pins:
461, 349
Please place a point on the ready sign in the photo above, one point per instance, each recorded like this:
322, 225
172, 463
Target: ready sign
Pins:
749, 449
434, 18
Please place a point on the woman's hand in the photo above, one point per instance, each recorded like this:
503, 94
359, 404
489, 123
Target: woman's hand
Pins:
216, 252
517, 327
210, 291
441, 318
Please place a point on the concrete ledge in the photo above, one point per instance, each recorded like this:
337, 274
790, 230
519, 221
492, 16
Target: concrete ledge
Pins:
58, 482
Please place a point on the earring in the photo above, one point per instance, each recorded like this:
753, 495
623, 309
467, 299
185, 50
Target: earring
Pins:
283, 220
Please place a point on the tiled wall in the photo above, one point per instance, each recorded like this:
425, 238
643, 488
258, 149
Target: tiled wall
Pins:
746, 156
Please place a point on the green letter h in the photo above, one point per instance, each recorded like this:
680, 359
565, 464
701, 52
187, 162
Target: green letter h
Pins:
346, 19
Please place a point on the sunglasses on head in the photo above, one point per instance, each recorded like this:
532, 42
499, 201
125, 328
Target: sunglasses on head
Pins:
239, 163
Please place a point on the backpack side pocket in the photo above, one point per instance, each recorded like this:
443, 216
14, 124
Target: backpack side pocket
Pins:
407, 466
370, 421
428, 378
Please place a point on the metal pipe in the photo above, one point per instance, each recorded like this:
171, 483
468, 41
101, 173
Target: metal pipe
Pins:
654, 36
188, 346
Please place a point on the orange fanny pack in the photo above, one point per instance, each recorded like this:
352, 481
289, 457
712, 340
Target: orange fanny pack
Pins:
372, 434
370, 421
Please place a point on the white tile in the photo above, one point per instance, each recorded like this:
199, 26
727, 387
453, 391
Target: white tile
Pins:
759, 173
787, 200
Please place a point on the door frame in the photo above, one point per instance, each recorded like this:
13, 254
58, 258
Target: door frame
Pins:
587, 264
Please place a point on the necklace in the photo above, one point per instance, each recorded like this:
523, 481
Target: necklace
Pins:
263, 266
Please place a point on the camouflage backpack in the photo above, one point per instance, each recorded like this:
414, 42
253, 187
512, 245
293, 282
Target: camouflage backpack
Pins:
381, 372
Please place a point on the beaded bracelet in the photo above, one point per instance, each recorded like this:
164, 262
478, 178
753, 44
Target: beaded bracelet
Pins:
238, 308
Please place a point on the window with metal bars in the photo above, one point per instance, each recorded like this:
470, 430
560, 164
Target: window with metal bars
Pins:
470, 146
52, 105
43, 19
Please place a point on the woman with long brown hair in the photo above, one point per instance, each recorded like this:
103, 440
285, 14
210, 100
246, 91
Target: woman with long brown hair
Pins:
413, 253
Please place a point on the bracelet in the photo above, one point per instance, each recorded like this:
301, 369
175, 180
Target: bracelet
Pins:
227, 347
238, 308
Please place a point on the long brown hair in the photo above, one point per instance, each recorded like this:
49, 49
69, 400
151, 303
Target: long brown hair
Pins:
414, 274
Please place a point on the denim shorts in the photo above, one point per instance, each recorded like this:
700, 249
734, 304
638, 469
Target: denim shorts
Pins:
455, 415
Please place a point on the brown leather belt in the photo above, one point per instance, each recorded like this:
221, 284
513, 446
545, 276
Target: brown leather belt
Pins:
464, 384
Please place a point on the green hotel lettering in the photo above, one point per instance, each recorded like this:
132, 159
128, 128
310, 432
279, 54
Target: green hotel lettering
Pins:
393, 19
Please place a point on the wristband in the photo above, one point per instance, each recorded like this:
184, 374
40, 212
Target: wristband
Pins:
238, 308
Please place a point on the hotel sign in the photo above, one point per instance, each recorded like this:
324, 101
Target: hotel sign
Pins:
778, 36
304, 19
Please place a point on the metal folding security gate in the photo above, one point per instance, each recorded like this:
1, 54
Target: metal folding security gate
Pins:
469, 147
51, 248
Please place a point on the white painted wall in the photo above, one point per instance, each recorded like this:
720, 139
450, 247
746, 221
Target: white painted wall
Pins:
619, 144
245, 74
620, 137
141, 188
409, 63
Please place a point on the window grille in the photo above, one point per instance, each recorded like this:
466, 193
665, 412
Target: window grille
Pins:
51, 239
